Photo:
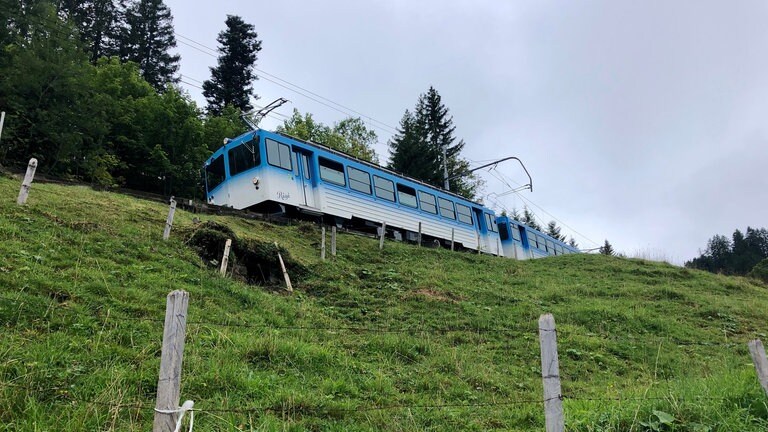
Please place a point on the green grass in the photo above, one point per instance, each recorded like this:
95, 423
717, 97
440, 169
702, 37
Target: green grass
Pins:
84, 277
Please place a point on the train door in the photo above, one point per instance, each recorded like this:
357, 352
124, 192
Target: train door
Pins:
482, 229
302, 174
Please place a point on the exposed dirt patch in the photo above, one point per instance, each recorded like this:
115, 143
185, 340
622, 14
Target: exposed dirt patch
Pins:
251, 261
432, 294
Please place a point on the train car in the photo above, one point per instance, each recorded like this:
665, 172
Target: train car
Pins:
522, 242
271, 172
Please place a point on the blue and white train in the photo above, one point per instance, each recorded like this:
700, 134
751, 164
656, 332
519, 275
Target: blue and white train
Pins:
269, 172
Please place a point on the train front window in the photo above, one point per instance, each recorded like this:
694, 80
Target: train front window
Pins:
244, 157
214, 173
406, 195
279, 154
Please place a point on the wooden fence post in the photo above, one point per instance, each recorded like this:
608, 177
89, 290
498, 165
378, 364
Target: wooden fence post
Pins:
383, 232
169, 380
27, 183
287, 278
479, 248
169, 220
419, 234
225, 257
761, 363
498, 248
550, 375
322, 244
453, 234
333, 240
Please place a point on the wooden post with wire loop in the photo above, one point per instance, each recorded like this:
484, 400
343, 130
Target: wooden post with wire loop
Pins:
171, 356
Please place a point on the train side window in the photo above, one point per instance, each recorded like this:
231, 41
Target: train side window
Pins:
516, 232
305, 166
332, 172
533, 240
446, 208
385, 189
214, 173
244, 157
428, 203
550, 247
465, 215
559, 249
359, 180
279, 154
491, 223
406, 195
542, 242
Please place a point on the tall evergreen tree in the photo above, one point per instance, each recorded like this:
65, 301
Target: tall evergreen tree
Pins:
554, 231
101, 24
148, 40
572, 243
529, 218
231, 80
425, 138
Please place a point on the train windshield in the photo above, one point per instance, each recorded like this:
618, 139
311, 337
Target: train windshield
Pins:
214, 173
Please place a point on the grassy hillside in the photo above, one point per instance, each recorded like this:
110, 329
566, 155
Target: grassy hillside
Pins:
402, 339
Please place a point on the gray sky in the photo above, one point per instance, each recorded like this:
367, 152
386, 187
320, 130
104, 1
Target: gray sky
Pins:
643, 123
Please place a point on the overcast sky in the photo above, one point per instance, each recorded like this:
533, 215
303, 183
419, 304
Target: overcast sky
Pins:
644, 123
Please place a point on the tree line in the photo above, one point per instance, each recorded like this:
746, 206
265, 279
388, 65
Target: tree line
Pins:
741, 254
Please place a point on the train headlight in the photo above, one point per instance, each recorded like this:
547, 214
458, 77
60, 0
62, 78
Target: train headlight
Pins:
256, 182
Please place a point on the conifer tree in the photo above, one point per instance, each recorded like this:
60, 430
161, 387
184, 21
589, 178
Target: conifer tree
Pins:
554, 231
231, 81
572, 243
607, 249
101, 24
529, 218
147, 41
424, 139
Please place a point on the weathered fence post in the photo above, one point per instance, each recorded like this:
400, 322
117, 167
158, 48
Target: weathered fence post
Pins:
419, 234
453, 234
322, 244
27, 183
2, 122
225, 257
383, 232
761, 363
169, 220
287, 278
498, 248
333, 240
479, 247
550, 374
169, 380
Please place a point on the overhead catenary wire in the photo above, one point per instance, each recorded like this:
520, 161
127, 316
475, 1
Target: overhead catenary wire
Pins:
214, 53
296, 89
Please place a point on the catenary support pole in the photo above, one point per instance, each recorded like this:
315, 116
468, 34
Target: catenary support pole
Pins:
171, 356
169, 220
333, 240
550, 375
26, 184
757, 351
225, 257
